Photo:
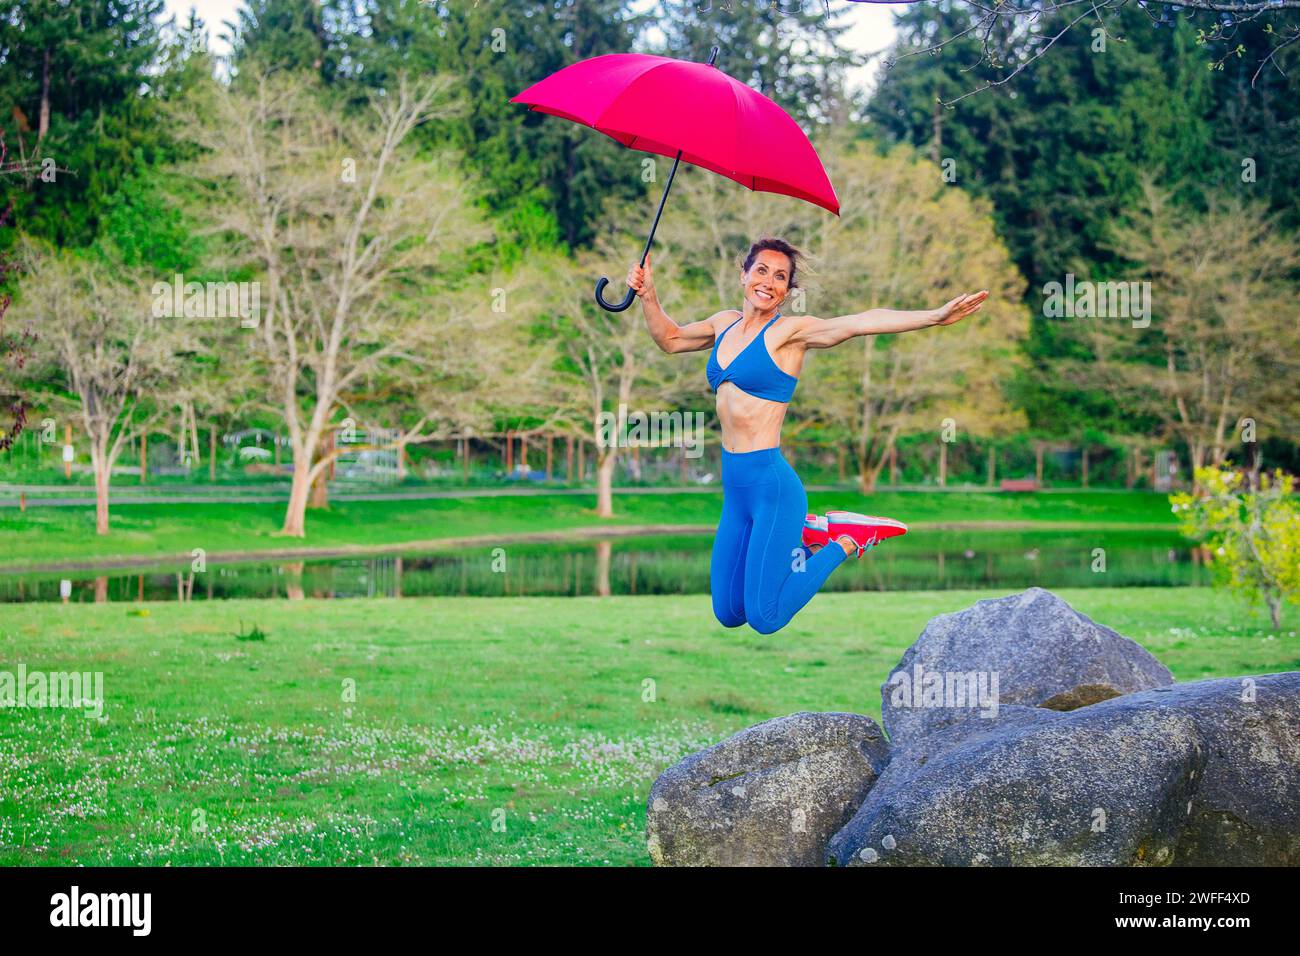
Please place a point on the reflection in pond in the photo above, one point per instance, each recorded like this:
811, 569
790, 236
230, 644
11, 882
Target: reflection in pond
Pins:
1010, 560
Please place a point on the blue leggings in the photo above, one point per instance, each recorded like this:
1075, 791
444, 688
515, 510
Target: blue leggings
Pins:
761, 573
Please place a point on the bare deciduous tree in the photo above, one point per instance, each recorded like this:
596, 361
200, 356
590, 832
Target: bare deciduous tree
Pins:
481, 362
609, 357
117, 360
908, 241
352, 232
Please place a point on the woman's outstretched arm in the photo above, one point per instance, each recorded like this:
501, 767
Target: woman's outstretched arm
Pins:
827, 333
668, 335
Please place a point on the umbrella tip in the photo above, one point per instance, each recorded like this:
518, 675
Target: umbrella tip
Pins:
713, 56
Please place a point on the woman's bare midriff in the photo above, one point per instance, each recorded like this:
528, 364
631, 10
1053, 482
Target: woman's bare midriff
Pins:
748, 423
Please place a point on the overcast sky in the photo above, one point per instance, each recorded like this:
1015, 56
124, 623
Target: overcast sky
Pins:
872, 23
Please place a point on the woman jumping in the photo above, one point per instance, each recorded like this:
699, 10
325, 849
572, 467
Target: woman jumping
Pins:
756, 574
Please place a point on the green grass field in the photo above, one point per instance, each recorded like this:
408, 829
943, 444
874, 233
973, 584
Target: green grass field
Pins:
68, 534
484, 730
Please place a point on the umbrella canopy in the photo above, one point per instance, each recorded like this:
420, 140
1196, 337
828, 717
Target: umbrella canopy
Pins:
692, 112
661, 105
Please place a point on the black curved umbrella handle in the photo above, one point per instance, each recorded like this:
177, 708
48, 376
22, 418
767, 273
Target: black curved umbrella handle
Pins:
616, 306
631, 293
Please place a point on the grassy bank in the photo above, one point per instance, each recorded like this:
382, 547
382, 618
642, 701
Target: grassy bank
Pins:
483, 730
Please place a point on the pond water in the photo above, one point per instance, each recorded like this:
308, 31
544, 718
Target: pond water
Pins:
678, 564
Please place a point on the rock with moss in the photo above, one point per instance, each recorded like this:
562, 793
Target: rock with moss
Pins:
1030, 648
1204, 773
772, 795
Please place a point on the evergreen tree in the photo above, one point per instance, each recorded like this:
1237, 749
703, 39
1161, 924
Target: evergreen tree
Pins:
290, 34
545, 178
1060, 149
789, 50
78, 103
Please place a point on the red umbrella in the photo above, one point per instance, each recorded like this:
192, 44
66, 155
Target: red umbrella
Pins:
690, 111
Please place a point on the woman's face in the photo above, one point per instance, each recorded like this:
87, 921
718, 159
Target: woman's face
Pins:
768, 280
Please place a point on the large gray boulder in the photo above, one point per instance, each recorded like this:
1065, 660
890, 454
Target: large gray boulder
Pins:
1030, 648
1031, 787
1246, 811
1205, 773
771, 795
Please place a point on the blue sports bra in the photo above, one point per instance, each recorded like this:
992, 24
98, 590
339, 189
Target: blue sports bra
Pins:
752, 371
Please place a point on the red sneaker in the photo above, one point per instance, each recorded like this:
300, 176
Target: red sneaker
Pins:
866, 530
815, 531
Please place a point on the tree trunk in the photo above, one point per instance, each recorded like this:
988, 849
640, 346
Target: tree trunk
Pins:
568, 459
295, 517
1198, 460
605, 483
43, 122
893, 463
936, 129
867, 476
550, 455
212, 453
1085, 467
101, 490
943, 464
1038, 464
320, 492
993, 465
144, 458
